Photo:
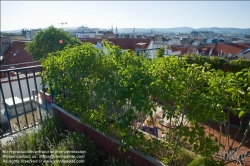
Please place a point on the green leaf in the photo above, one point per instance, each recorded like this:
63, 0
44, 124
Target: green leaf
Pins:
241, 92
238, 73
241, 114
229, 90
152, 83
191, 140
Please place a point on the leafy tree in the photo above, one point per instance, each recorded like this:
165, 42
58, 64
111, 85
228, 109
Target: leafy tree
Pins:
24, 32
160, 52
4, 34
48, 41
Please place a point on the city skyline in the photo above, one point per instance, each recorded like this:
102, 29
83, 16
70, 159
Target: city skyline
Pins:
124, 14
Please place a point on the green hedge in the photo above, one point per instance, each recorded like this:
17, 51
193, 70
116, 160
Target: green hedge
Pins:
219, 63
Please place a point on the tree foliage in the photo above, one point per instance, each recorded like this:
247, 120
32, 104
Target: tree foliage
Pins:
50, 40
218, 62
111, 90
160, 52
24, 31
4, 34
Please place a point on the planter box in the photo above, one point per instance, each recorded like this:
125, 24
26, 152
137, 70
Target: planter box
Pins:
233, 118
47, 97
107, 144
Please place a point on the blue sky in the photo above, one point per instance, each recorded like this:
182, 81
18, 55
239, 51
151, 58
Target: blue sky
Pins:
124, 14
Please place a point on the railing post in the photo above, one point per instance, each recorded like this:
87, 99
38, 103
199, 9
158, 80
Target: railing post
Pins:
20, 89
39, 107
5, 107
28, 88
14, 102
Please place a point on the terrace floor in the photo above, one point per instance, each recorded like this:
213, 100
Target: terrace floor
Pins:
33, 119
214, 129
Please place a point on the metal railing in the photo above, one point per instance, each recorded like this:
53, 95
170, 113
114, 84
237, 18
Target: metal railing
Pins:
22, 106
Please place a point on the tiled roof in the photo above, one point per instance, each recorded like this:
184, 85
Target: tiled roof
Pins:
184, 50
17, 55
124, 43
239, 45
225, 48
206, 49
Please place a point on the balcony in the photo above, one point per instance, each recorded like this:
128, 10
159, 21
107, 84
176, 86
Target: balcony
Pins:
22, 107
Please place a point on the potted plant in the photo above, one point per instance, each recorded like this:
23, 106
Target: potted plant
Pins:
45, 95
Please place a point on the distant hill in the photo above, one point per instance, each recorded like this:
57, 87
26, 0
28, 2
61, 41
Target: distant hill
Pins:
156, 30
164, 30
225, 30
185, 30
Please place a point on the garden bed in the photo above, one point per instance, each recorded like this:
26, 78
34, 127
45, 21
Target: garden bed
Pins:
109, 145
51, 144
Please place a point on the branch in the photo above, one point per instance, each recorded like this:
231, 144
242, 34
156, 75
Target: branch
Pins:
228, 127
245, 134
237, 133
178, 139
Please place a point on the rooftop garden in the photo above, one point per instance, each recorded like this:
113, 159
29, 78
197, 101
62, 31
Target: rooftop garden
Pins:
116, 91
112, 91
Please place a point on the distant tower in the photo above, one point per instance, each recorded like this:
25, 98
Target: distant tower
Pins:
152, 32
116, 30
112, 29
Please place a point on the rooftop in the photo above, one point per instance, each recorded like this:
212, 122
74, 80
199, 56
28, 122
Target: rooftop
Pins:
124, 43
233, 49
17, 56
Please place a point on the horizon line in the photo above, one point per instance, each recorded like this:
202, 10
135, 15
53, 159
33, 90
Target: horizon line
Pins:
128, 28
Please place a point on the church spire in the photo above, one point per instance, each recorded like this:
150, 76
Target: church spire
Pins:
116, 30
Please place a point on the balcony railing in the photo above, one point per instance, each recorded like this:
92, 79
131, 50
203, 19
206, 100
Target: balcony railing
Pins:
22, 107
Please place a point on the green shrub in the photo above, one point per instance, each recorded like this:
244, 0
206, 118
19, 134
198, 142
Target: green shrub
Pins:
76, 141
202, 161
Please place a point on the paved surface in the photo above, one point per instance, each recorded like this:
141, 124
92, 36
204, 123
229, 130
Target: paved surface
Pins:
214, 129
40, 111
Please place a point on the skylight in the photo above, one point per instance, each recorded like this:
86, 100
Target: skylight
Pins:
16, 52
